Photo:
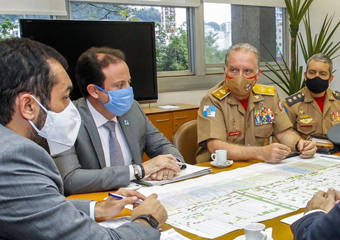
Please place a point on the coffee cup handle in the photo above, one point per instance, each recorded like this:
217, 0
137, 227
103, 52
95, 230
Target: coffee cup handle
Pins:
213, 156
264, 235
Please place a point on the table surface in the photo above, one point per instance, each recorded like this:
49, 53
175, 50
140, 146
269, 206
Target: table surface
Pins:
281, 231
156, 109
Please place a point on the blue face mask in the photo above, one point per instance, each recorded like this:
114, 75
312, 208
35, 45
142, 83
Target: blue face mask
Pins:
120, 101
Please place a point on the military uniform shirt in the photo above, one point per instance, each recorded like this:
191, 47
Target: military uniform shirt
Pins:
306, 116
221, 116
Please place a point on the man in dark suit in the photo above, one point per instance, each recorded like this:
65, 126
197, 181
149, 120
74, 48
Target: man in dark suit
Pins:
322, 218
99, 160
35, 108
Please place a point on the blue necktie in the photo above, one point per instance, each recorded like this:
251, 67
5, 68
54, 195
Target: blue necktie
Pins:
116, 155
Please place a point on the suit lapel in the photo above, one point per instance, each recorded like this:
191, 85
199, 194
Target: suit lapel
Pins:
92, 130
130, 136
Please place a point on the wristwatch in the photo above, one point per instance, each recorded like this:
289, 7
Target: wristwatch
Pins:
150, 219
138, 175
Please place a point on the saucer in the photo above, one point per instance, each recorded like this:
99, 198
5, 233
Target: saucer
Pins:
227, 164
242, 237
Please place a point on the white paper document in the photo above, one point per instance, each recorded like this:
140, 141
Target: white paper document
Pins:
216, 204
290, 220
169, 107
170, 234
190, 172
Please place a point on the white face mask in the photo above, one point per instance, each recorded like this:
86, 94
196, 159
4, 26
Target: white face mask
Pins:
60, 129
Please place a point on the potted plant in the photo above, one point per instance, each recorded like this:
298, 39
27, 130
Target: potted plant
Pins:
290, 77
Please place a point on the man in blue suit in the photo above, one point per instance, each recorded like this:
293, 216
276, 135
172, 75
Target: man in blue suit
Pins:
322, 218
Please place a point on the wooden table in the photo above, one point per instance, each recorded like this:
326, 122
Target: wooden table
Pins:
281, 231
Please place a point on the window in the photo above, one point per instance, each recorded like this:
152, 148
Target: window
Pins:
172, 51
9, 24
228, 24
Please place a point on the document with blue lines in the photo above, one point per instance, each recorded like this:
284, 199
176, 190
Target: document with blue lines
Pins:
214, 205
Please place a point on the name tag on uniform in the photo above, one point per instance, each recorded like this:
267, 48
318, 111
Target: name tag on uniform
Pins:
335, 116
209, 111
263, 116
305, 126
235, 133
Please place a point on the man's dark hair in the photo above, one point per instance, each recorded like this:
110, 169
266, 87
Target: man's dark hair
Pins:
24, 67
89, 69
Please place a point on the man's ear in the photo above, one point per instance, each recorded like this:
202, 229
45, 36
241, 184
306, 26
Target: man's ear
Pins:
258, 75
331, 79
305, 76
92, 90
27, 106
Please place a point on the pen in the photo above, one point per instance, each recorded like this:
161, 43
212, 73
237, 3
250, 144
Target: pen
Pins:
144, 183
117, 196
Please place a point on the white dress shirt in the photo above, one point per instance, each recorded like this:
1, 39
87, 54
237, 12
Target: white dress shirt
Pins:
100, 120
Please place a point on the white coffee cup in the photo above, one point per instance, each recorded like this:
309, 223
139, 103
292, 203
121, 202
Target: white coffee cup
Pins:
255, 231
219, 157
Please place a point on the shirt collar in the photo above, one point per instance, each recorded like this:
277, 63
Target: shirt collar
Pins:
98, 118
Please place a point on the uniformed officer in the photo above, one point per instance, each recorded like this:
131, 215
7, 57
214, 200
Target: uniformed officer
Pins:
315, 108
240, 116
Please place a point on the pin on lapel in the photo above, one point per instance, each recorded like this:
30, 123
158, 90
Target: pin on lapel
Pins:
126, 122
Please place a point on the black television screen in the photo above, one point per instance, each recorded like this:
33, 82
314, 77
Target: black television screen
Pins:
72, 38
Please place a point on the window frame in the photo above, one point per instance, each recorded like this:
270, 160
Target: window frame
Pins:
263, 67
197, 77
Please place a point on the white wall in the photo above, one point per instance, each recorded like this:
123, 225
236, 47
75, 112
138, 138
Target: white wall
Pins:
318, 10
188, 97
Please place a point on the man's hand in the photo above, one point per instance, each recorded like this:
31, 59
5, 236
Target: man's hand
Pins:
161, 162
164, 174
274, 153
306, 148
323, 201
130, 193
112, 207
151, 206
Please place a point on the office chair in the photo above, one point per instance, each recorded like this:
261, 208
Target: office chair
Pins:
185, 139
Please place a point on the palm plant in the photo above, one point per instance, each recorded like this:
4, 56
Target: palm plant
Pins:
321, 43
291, 77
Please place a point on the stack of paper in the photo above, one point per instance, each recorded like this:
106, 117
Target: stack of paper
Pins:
190, 172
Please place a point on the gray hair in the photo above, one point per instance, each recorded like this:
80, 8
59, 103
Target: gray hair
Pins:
320, 57
242, 46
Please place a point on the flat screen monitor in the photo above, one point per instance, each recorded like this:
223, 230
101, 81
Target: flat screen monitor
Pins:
72, 38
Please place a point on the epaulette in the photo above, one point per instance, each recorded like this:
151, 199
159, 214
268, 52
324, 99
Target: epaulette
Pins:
295, 98
264, 90
336, 95
221, 92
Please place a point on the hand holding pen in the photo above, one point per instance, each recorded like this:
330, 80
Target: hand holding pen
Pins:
120, 197
112, 207
123, 193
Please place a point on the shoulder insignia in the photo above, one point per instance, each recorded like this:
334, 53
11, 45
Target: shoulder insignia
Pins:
264, 90
295, 98
336, 95
221, 92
